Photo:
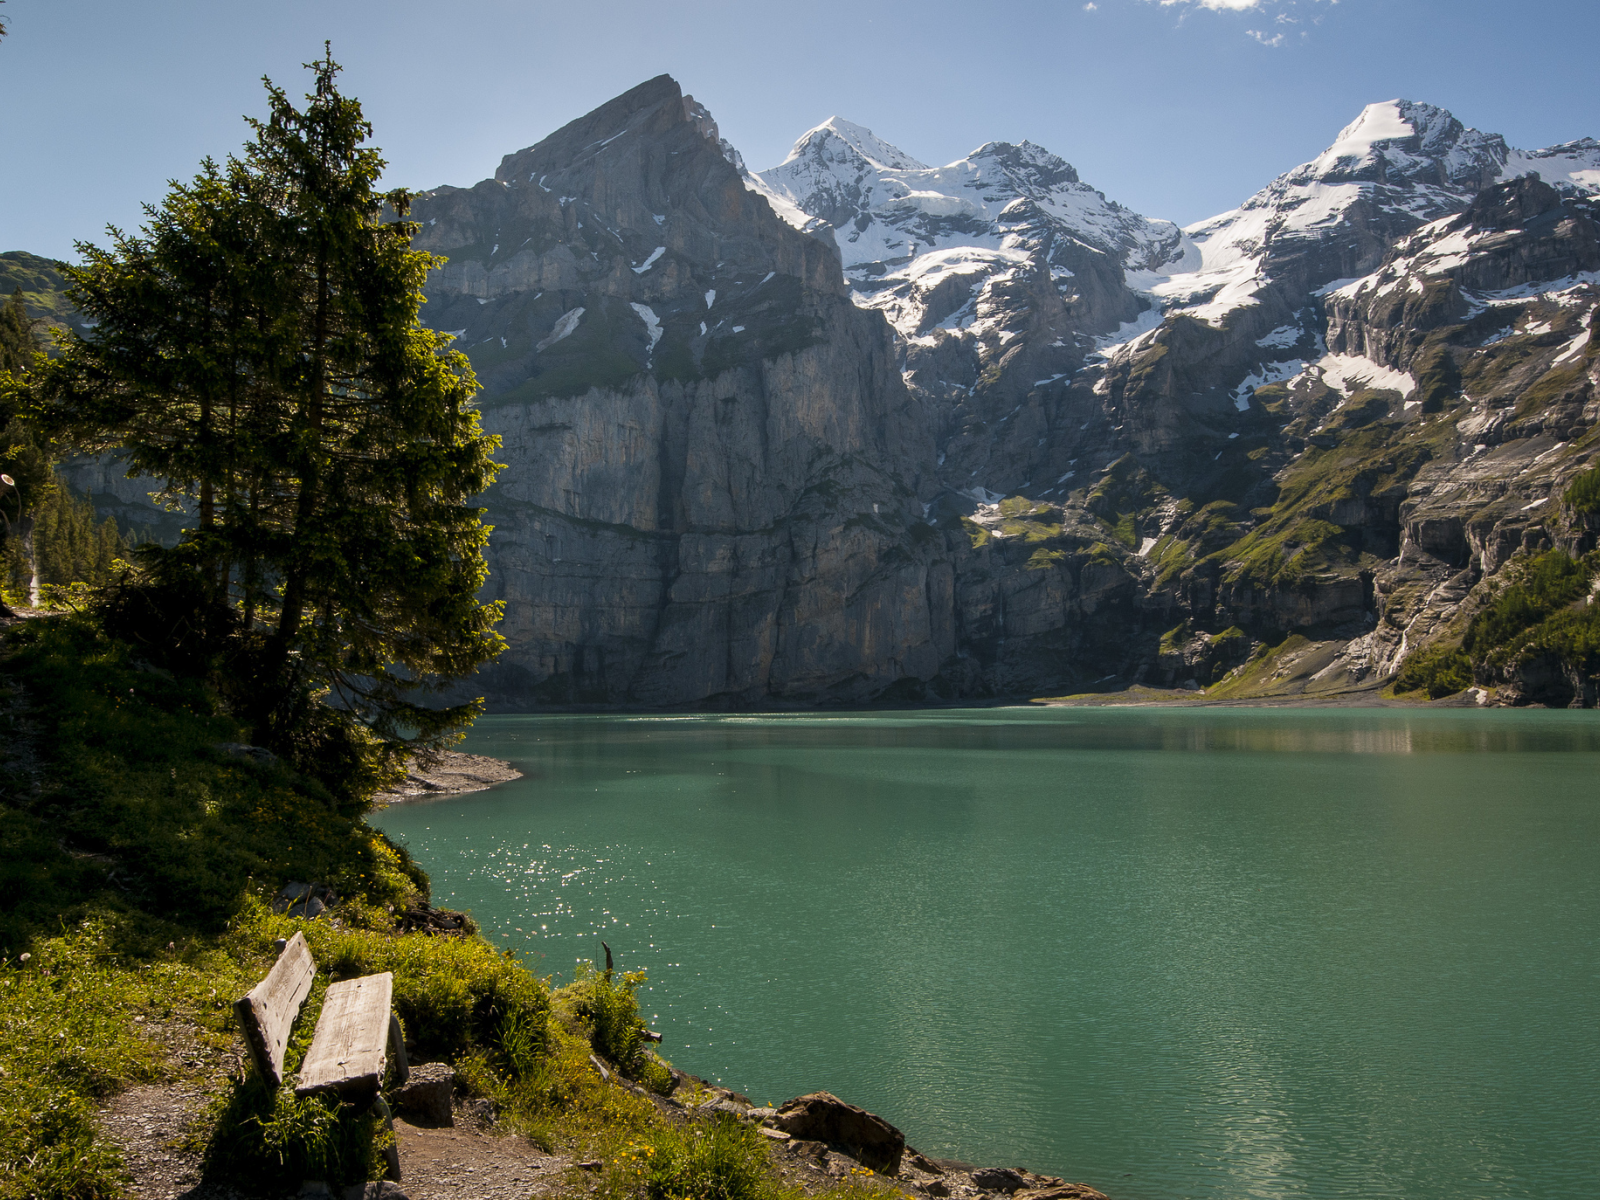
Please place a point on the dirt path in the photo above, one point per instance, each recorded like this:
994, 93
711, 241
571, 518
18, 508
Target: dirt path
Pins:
149, 1123
465, 1163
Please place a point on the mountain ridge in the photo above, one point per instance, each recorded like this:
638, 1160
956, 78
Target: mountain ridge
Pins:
856, 429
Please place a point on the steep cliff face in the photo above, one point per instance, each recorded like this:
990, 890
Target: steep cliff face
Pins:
712, 461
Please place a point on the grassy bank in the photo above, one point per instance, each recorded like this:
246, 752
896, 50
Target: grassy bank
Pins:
138, 860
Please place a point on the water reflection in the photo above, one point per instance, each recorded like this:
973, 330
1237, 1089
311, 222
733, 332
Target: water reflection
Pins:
1249, 730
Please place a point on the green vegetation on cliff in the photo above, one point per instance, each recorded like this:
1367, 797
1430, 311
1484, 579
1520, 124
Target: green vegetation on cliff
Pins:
1545, 612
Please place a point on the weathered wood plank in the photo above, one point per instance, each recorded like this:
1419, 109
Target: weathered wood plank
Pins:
267, 1012
347, 1050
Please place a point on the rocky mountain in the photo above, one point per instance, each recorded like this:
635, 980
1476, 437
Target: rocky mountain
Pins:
713, 463
859, 429
1253, 447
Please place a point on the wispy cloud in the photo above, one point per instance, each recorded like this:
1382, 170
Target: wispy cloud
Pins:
1218, 4
1281, 17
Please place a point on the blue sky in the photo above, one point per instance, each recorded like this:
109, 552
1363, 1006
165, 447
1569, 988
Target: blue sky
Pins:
1177, 108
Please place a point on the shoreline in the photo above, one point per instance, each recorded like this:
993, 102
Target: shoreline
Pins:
454, 773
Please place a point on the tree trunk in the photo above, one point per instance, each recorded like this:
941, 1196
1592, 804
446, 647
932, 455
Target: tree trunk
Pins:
25, 531
294, 591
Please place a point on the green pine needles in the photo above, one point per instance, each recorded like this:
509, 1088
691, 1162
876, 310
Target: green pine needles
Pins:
256, 349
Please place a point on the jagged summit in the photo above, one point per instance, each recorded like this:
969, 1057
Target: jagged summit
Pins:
846, 175
1402, 140
1399, 165
923, 243
660, 98
838, 139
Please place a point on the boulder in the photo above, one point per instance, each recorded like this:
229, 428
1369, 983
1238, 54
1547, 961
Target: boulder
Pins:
257, 755
425, 1097
304, 899
998, 1179
823, 1117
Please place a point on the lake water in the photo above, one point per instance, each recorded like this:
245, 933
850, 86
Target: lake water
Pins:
1201, 953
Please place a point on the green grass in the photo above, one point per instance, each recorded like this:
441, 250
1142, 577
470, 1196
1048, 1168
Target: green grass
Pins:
44, 290
139, 813
1255, 677
1545, 584
67, 1041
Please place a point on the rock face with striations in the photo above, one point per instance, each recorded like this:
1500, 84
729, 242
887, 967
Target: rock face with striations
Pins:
713, 463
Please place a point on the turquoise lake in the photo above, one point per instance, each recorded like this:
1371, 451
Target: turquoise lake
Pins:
1171, 953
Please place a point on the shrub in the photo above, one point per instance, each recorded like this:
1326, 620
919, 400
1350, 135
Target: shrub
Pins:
1439, 670
609, 1008
1549, 582
724, 1159
605, 1007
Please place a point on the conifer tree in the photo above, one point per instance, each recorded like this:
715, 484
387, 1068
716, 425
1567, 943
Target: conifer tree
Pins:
256, 349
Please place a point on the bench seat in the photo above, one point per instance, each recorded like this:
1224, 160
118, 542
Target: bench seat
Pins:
348, 1050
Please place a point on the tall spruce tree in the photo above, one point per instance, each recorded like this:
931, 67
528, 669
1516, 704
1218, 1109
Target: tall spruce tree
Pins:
257, 349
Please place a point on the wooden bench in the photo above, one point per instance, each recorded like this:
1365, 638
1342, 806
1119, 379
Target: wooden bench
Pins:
355, 1035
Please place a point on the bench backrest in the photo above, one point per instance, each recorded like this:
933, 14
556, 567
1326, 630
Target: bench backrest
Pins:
267, 1011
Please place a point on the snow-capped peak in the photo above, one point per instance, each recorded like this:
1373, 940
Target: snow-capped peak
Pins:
1398, 165
1384, 122
901, 230
825, 141
1400, 140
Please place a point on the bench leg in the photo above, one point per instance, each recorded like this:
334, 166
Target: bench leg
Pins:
397, 1051
392, 1154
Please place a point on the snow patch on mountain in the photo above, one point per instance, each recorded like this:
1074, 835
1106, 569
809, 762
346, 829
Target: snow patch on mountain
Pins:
652, 323
565, 324
1350, 373
1571, 164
